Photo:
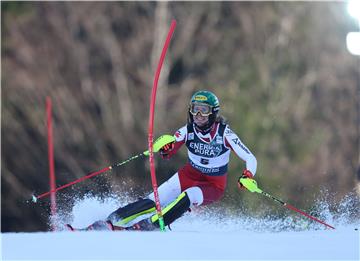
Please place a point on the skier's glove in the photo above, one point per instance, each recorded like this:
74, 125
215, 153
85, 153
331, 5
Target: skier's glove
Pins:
245, 175
166, 149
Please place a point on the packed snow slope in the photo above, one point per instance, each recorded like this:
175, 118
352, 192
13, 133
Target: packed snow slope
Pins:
196, 236
341, 244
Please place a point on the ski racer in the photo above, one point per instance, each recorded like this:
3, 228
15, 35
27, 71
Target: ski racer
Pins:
201, 181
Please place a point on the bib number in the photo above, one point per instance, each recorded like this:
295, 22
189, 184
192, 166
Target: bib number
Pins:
204, 161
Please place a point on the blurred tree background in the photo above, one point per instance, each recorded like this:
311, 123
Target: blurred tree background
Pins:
281, 70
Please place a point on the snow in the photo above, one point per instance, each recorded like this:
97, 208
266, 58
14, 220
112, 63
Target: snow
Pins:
341, 244
196, 236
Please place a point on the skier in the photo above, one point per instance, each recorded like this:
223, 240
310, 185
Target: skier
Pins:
201, 181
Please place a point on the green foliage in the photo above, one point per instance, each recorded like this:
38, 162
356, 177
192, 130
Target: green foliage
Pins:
14, 7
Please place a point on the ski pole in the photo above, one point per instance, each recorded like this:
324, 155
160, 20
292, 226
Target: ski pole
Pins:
252, 186
158, 144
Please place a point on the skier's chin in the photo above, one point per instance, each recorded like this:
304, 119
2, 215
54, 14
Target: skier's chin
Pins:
200, 124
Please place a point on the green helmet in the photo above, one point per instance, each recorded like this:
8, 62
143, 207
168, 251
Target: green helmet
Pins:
205, 97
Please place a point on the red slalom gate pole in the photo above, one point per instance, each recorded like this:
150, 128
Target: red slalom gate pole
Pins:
51, 159
151, 124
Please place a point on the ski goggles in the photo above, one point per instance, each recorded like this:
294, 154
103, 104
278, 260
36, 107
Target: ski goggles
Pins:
203, 109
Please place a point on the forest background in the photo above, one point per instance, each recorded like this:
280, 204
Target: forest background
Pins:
285, 81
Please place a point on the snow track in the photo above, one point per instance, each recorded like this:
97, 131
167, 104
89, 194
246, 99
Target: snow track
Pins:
340, 244
200, 235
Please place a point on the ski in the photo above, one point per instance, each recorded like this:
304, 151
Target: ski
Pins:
96, 226
102, 225
68, 227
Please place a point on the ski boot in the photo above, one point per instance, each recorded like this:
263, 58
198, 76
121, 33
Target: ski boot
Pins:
143, 225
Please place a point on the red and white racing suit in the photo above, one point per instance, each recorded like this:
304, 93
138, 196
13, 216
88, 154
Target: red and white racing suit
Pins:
204, 176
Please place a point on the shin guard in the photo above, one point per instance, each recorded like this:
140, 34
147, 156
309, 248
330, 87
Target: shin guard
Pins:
174, 210
124, 215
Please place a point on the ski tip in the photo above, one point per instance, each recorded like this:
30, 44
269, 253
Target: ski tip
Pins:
68, 227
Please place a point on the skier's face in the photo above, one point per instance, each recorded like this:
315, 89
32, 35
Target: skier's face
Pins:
200, 113
200, 120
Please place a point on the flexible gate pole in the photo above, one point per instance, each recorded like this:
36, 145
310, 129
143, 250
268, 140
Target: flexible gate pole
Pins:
151, 124
51, 159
